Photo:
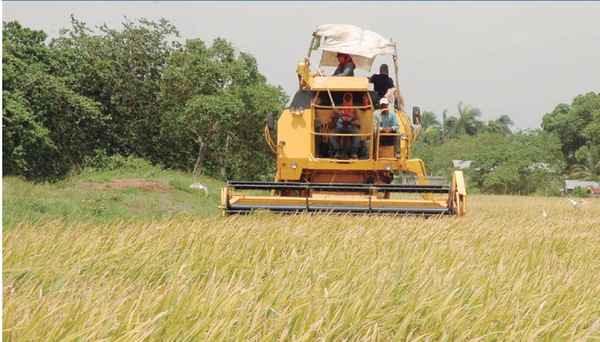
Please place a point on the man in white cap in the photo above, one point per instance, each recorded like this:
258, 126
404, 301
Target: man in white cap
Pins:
389, 124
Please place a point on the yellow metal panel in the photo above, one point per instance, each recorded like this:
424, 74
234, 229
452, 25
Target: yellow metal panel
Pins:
289, 173
366, 122
293, 132
460, 182
354, 165
339, 177
340, 83
336, 201
386, 151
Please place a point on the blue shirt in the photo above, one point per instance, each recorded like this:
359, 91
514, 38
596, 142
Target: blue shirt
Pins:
388, 119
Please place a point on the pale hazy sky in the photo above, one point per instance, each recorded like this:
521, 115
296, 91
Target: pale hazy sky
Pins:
515, 58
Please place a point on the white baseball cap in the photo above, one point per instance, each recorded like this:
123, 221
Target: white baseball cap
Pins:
383, 101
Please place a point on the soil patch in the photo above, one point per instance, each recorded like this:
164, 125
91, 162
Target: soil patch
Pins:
121, 184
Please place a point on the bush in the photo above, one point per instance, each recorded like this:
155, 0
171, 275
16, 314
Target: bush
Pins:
580, 192
102, 162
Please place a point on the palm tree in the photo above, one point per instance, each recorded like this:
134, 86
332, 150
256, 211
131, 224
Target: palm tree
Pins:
500, 125
467, 119
465, 123
446, 124
590, 169
428, 119
431, 128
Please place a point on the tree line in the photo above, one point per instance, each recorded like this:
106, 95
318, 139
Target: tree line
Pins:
523, 162
136, 91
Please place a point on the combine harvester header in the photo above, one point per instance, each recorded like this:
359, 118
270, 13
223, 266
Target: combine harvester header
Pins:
312, 176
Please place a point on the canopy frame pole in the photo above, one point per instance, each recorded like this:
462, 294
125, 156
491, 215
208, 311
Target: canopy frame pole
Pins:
306, 65
398, 92
312, 41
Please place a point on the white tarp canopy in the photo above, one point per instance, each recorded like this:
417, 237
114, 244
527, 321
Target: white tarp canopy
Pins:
362, 45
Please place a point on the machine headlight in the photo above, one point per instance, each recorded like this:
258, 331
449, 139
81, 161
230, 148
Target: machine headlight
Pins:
301, 110
403, 136
388, 167
294, 165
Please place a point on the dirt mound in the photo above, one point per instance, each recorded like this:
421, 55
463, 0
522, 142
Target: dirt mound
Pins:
122, 184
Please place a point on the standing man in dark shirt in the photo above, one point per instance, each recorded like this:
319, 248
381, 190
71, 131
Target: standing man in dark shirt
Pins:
382, 82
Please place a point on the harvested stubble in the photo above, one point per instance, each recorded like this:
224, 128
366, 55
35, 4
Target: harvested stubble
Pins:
501, 273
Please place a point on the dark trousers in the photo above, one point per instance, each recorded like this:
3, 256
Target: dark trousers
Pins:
348, 129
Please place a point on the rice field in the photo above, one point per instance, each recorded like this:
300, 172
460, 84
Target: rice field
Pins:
502, 273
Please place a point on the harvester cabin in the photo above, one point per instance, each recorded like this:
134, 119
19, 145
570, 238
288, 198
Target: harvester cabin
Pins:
323, 111
319, 103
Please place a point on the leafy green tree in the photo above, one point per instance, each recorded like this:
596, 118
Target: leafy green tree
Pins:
586, 109
438, 159
121, 70
45, 125
431, 129
214, 103
132, 92
523, 163
576, 125
505, 179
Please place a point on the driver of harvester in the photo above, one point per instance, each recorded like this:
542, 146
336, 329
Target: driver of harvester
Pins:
345, 121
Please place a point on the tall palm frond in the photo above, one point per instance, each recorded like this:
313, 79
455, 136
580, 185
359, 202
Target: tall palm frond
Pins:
500, 125
590, 167
428, 119
467, 120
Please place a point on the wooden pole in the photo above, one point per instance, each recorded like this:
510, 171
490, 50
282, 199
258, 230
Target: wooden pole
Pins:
398, 92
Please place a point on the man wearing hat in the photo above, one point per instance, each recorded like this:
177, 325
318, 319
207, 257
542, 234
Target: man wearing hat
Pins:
382, 82
389, 124
346, 65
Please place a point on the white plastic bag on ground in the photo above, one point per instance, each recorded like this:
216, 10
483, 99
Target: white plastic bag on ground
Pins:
199, 187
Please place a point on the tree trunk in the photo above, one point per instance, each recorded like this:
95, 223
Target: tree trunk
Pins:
224, 159
200, 160
202, 148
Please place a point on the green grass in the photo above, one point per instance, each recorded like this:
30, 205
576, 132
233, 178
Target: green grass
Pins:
502, 273
94, 196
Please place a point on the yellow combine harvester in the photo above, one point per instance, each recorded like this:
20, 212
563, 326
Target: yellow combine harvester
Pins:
310, 179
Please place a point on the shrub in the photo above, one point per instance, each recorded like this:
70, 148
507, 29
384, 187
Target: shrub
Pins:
580, 192
102, 162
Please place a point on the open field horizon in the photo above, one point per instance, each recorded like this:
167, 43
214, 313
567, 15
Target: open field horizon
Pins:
504, 272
